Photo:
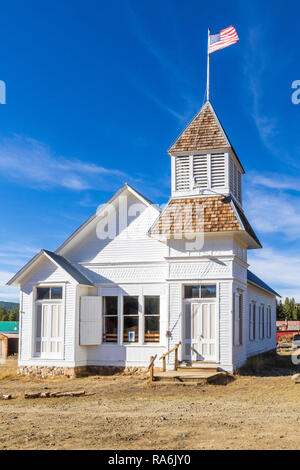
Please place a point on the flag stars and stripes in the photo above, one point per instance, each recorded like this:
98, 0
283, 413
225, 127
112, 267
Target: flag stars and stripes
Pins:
224, 38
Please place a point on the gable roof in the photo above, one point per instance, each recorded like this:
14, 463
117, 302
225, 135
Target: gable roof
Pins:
59, 261
101, 209
202, 215
205, 132
253, 279
69, 268
244, 222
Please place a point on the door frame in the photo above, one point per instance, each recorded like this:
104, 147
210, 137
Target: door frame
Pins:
216, 301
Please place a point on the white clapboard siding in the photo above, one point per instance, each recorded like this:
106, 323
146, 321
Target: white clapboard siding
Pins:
217, 170
182, 169
90, 320
200, 171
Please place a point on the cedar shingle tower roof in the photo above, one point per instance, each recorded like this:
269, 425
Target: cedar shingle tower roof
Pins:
202, 215
204, 133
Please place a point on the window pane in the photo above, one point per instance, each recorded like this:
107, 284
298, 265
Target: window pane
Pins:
151, 329
131, 329
131, 305
208, 291
110, 305
43, 293
56, 292
191, 292
110, 329
152, 305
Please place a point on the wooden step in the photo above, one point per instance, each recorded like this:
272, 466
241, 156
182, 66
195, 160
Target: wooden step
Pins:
187, 376
199, 366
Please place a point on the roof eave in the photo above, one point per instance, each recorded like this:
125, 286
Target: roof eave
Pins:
24, 269
270, 292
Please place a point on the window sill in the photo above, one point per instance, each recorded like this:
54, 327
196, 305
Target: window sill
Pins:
134, 345
41, 358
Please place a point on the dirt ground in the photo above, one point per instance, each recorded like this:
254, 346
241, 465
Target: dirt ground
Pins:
259, 411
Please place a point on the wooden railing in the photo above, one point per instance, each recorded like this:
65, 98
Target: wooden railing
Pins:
151, 366
163, 358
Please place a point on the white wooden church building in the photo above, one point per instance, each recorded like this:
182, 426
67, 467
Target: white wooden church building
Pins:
133, 281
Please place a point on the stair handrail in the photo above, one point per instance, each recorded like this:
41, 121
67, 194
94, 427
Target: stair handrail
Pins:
163, 357
151, 366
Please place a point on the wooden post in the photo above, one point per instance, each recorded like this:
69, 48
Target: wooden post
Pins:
164, 364
176, 357
151, 369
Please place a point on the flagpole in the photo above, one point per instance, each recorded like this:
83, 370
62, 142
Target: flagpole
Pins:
208, 64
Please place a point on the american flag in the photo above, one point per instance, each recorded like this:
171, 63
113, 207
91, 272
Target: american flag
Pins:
224, 38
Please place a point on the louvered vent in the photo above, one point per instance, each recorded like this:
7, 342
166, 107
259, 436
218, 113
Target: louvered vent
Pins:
231, 171
217, 170
200, 171
235, 186
239, 187
182, 168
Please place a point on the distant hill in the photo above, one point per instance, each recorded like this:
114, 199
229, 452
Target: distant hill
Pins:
8, 305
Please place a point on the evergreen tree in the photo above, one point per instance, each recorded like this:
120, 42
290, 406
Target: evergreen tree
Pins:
3, 314
279, 310
287, 309
14, 315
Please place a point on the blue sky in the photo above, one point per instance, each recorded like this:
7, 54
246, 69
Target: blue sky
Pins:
97, 91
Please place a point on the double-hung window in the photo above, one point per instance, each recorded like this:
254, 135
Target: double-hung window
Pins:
261, 322
252, 321
130, 319
269, 322
151, 318
49, 322
238, 319
110, 319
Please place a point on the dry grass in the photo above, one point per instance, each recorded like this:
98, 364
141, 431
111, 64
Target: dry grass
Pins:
258, 411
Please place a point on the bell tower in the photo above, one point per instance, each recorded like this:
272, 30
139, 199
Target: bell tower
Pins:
204, 162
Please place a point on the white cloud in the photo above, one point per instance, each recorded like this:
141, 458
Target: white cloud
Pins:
270, 208
30, 162
8, 292
278, 268
275, 181
13, 254
255, 65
